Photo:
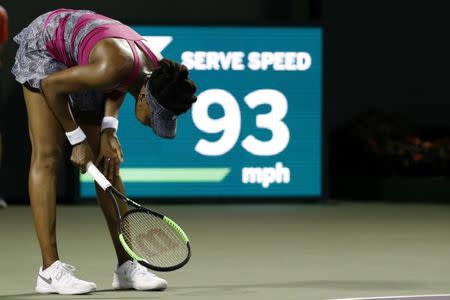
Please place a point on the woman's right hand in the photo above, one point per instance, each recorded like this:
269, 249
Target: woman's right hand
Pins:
81, 155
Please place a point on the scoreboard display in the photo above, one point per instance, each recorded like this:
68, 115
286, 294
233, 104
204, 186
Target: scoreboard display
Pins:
256, 128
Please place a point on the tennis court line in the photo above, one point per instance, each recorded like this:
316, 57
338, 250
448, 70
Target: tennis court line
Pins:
154, 175
394, 297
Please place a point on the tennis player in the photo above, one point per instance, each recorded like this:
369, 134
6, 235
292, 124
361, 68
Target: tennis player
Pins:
76, 67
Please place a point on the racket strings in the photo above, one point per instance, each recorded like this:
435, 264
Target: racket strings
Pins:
153, 240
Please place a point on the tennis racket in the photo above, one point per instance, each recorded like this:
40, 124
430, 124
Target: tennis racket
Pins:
154, 240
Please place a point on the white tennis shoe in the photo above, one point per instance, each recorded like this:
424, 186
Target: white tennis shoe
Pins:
59, 279
132, 275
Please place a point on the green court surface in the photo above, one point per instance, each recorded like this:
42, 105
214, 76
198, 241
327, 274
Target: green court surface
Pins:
254, 252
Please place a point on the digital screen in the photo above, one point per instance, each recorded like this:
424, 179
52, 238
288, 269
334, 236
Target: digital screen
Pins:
256, 128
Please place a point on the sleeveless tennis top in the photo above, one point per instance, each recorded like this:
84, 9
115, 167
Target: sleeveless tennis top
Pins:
71, 35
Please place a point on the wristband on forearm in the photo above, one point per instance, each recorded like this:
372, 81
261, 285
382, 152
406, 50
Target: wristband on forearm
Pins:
75, 137
110, 122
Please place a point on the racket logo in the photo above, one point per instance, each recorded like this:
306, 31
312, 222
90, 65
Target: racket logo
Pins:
155, 241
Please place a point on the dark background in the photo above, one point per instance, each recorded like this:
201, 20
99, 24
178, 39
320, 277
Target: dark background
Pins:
384, 54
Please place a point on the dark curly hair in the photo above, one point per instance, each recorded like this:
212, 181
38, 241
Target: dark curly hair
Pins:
171, 86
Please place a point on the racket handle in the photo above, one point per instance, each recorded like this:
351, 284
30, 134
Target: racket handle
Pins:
98, 176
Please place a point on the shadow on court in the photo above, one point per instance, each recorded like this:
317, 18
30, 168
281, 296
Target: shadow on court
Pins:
236, 288
260, 252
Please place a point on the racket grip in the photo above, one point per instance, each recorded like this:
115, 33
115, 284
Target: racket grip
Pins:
98, 176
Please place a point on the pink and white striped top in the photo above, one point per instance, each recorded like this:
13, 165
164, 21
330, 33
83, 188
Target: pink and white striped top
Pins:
71, 35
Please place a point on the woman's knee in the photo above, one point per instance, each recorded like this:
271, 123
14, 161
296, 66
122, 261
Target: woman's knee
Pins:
47, 158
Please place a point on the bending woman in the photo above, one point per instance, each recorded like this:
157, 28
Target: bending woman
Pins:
76, 67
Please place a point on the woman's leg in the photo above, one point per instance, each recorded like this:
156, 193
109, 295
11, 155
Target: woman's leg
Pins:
47, 142
128, 274
91, 127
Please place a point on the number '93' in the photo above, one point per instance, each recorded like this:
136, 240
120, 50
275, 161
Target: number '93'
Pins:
230, 123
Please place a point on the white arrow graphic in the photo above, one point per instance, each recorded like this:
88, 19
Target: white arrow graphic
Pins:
158, 43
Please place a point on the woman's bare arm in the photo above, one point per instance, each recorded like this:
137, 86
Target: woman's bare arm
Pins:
110, 149
57, 86
110, 65
113, 103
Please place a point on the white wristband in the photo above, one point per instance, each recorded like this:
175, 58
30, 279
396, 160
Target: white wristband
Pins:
76, 136
110, 122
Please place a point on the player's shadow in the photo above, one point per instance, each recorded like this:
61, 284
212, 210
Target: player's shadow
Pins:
95, 295
356, 285
324, 284
230, 289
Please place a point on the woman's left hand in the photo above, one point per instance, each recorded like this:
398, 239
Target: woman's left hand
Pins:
110, 153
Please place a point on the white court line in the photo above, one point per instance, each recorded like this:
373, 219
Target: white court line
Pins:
394, 297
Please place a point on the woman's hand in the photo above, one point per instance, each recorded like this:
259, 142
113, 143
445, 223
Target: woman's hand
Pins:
110, 153
81, 155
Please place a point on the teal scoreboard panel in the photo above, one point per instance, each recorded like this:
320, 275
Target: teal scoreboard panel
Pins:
256, 128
